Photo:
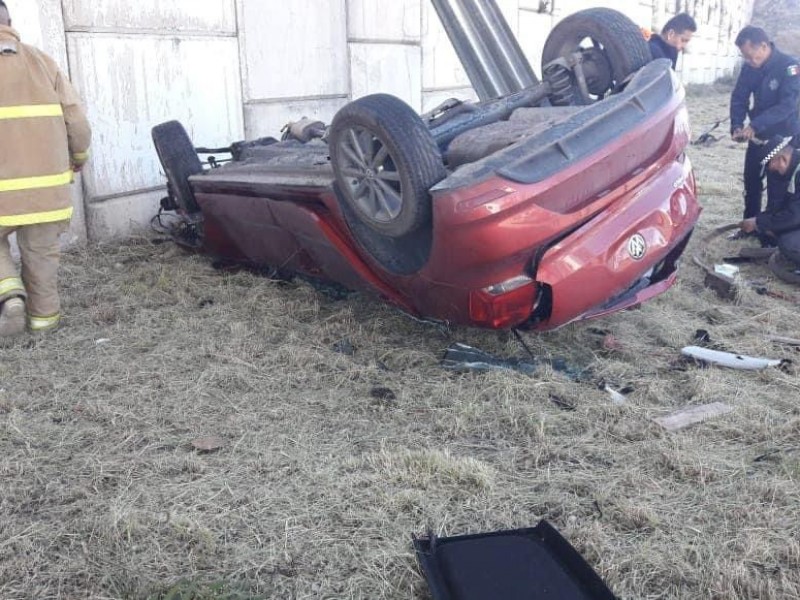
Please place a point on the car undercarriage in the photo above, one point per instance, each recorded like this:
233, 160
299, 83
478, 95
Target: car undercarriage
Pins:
546, 202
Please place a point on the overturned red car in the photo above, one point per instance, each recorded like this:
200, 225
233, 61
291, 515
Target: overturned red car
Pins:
544, 203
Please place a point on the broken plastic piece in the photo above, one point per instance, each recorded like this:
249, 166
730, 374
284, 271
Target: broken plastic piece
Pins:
460, 357
728, 359
693, 414
726, 270
523, 564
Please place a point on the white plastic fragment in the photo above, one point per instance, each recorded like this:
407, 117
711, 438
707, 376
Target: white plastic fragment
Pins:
729, 359
101, 341
726, 270
693, 414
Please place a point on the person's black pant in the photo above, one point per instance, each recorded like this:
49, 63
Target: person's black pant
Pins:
789, 245
754, 182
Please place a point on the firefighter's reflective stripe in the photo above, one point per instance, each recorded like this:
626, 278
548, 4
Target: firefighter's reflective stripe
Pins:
42, 323
35, 183
30, 111
80, 156
11, 284
64, 214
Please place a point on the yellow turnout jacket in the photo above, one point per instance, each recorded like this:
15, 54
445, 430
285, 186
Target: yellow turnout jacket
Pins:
43, 133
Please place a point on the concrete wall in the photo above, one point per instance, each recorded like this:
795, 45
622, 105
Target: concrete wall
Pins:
230, 69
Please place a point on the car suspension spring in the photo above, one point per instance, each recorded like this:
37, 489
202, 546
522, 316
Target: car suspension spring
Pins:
561, 86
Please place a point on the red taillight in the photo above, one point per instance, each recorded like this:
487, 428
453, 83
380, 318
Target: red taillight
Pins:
503, 305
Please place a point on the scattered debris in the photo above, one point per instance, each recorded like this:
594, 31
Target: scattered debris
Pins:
610, 342
383, 393
344, 346
598, 331
210, 443
693, 414
784, 340
575, 373
383, 398
722, 285
723, 279
701, 336
617, 397
754, 253
562, 402
205, 302
460, 357
522, 564
767, 455
707, 138
101, 341
726, 270
729, 359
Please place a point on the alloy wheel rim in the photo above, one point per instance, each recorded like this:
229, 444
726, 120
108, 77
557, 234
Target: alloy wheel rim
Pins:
369, 170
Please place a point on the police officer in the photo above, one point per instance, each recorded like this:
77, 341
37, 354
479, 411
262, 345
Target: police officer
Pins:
44, 139
781, 220
675, 36
772, 80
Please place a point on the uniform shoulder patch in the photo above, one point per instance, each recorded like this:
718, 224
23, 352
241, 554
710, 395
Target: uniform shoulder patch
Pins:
793, 70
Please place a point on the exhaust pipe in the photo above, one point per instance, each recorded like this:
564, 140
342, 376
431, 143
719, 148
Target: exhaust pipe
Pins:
486, 46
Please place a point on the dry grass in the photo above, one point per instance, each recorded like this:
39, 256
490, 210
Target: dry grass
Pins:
320, 484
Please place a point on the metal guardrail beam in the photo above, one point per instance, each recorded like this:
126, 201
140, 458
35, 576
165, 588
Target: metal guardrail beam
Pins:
486, 46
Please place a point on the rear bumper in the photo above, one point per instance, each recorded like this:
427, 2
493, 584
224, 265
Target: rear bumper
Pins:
598, 270
663, 278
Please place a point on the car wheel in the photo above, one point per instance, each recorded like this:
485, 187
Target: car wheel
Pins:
385, 161
610, 44
179, 160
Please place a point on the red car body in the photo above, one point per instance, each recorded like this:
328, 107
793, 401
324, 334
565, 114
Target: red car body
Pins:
601, 232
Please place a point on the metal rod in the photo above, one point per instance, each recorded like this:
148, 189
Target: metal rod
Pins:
504, 46
483, 73
486, 46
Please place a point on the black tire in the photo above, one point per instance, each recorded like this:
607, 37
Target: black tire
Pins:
784, 269
179, 160
612, 45
385, 160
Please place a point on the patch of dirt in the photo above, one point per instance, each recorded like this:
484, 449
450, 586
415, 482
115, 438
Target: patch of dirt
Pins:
317, 480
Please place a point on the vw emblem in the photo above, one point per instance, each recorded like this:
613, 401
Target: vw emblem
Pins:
637, 247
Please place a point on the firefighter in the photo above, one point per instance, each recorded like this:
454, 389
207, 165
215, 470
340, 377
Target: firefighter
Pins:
772, 80
45, 139
675, 36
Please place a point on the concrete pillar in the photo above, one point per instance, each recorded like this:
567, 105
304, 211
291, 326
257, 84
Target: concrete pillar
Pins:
137, 68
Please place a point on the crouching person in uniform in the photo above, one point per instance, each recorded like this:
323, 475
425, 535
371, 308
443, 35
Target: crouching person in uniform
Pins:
767, 92
781, 222
44, 139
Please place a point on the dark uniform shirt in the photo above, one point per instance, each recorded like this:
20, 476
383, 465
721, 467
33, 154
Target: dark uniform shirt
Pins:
785, 216
661, 49
775, 89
